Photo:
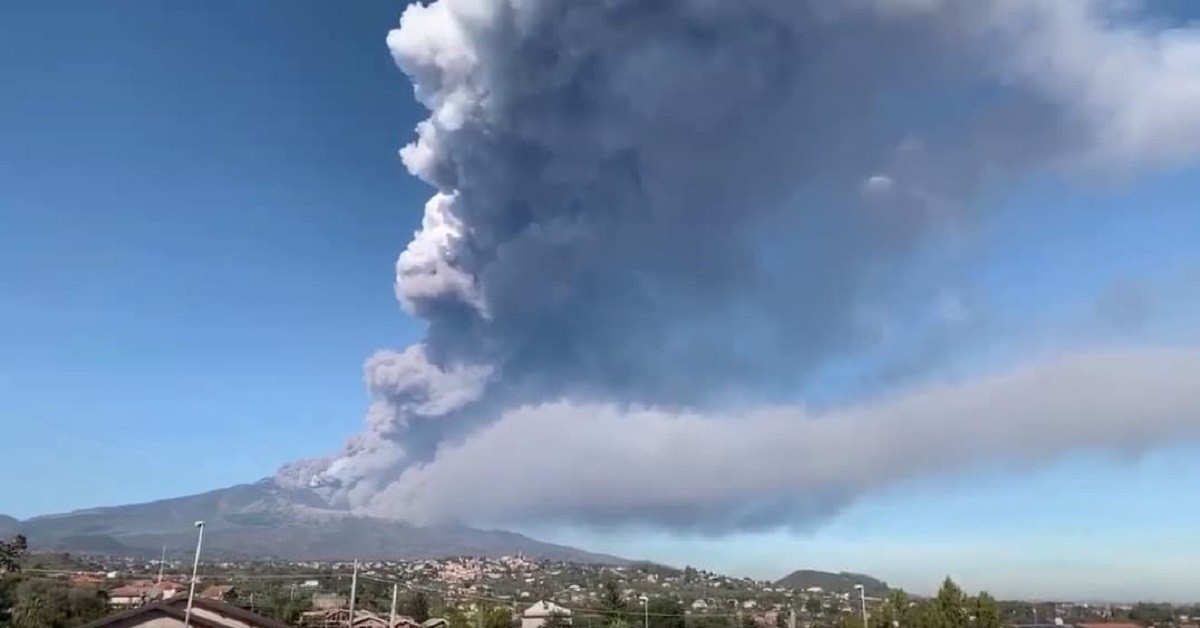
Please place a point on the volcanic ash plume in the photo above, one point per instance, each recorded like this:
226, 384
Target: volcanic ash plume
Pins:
679, 203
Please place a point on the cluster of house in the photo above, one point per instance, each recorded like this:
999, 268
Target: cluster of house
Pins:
340, 618
207, 612
332, 614
145, 591
536, 615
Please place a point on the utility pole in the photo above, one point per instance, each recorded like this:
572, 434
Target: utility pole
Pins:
862, 592
792, 616
353, 591
187, 614
395, 594
161, 561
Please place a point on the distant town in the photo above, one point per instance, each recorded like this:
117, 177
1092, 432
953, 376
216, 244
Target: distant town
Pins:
508, 592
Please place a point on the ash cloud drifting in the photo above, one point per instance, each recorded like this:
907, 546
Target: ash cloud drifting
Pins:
665, 205
718, 472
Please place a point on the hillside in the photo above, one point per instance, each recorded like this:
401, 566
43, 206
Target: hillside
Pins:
265, 519
842, 582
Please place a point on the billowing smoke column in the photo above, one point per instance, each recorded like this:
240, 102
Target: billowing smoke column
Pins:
676, 203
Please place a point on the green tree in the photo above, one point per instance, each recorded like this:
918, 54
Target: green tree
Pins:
1151, 613
376, 596
416, 606
883, 616
52, 604
894, 612
612, 603
556, 619
8, 597
85, 604
665, 613
813, 605
35, 612
852, 619
986, 612
706, 621
949, 607
495, 617
610, 596
923, 615
456, 618
12, 552
284, 605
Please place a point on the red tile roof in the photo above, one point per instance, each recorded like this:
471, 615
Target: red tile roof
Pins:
176, 608
217, 591
130, 591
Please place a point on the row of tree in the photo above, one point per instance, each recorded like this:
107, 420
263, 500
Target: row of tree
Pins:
951, 608
41, 603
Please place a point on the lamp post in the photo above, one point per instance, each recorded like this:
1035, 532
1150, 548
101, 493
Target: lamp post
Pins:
862, 596
187, 615
645, 611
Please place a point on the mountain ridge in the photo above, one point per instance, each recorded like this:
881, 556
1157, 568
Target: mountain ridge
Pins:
267, 519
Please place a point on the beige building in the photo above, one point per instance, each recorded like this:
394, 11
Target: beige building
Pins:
535, 616
131, 595
144, 592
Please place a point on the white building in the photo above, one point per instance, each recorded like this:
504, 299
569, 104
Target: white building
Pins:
132, 595
535, 616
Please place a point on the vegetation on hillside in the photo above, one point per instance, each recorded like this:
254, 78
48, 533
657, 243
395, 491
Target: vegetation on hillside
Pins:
38, 602
843, 582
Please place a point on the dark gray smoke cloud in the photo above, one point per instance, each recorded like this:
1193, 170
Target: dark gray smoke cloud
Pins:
681, 202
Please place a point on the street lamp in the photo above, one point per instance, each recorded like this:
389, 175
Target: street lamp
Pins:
187, 614
645, 611
862, 594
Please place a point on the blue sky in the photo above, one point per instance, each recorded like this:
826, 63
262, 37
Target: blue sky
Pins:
201, 209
